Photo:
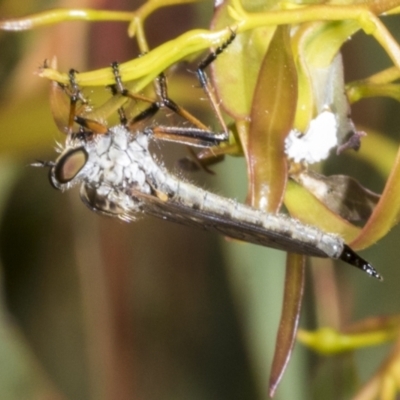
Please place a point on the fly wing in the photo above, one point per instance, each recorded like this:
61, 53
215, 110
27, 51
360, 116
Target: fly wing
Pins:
234, 228
284, 233
292, 236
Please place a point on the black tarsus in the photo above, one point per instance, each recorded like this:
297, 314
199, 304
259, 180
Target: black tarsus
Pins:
351, 257
75, 95
119, 88
163, 101
75, 90
115, 90
202, 77
210, 59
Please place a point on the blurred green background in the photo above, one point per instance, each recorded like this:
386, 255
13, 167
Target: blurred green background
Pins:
93, 308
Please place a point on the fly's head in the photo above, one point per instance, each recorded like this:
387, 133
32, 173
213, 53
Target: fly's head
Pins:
110, 167
65, 171
74, 162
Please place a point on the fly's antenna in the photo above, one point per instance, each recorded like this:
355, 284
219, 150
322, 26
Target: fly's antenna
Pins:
42, 164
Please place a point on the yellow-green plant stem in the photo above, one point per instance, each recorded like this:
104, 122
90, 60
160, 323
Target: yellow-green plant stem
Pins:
364, 14
151, 64
59, 15
329, 341
195, 41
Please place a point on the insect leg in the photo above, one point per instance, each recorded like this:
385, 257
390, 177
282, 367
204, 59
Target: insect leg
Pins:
77, 104
197, 136
165, 101
188, 135
204, 82
119, 88
91, 125
200, 132
75, 94
210, 156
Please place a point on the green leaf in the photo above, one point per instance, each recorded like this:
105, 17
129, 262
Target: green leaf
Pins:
307, 208
293, 295
387, 212
272, 116
235, 71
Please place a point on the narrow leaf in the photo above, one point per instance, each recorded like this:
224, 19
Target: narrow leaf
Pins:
272, 115
294, 286
386, 213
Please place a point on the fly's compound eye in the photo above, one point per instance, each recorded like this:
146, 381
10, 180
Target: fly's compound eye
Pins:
69, 165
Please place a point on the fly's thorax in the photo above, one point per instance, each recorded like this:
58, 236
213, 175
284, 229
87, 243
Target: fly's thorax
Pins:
119, 164
119, 160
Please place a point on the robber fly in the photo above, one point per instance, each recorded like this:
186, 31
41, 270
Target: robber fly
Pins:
120, 177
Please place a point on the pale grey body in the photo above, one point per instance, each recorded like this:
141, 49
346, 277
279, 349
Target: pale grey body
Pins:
120, 177
123, 179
